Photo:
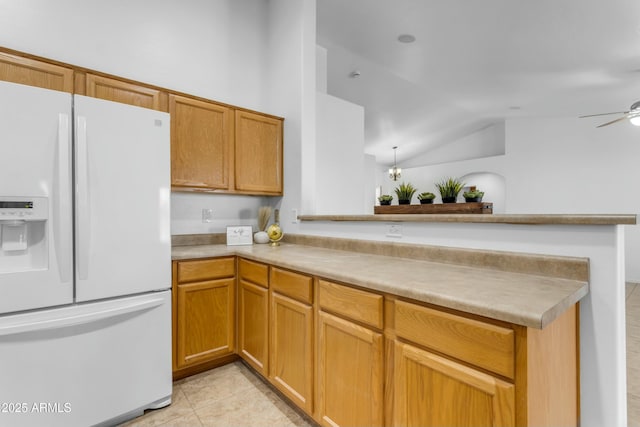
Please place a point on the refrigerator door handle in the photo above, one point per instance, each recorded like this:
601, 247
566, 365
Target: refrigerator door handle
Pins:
57, 322
61, 224
83, 231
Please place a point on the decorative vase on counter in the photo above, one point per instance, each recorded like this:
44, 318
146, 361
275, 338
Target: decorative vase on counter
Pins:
260, 237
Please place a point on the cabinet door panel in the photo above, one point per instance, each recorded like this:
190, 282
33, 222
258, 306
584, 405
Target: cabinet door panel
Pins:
253, 324
291, 364
206, 269
206, 318
201, 135
295, 285
481, 344
123, 92
254, 272
258, 153
350, 373
31, 72
434, 391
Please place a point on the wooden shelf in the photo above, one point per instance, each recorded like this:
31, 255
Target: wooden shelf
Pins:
437, 208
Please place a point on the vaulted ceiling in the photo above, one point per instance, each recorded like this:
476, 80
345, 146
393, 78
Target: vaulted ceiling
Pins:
474, 63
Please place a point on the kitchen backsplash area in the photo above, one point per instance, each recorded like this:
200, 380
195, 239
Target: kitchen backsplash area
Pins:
196, 213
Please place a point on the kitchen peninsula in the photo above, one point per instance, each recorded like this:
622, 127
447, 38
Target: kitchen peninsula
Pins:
416, 285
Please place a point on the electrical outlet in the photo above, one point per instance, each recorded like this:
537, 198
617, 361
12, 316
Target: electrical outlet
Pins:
294, 214
207, 215
394, 230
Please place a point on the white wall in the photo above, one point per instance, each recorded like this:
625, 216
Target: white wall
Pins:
214, 49
486, 142
340, 159
555, 165
569, 166
321, 69
292, 94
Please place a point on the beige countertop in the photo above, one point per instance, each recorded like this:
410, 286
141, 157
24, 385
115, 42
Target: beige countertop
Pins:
569, 219
524, 299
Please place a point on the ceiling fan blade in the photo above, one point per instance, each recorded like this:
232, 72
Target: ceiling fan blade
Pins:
613, 121
603, 114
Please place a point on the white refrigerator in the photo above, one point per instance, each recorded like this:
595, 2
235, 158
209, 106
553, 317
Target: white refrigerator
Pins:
85, 259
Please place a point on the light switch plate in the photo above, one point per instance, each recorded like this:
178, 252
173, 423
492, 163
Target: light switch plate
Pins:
239, 235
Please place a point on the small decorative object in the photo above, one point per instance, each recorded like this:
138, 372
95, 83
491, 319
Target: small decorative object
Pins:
473, 195
274, 231
239, 235
449, 189
385, 199
405, 192
261, 236
426, 198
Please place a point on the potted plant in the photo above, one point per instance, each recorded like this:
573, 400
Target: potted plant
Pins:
449, 189
385, 199
405, 192
426, 198
473, 195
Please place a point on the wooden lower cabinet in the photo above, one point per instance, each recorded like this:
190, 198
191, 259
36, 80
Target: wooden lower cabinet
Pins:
253, 325
291, 350
351, 357
204, 314
431, 390
350, 373
205, 321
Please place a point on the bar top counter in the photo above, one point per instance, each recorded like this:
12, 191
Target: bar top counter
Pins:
532, 219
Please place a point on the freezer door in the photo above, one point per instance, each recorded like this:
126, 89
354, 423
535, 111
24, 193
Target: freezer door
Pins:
122, 197
86, 364
36, 267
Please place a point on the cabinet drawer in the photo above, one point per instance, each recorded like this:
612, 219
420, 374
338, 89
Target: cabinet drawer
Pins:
294, 285
362, 306
254, 272
482, 344
192, 271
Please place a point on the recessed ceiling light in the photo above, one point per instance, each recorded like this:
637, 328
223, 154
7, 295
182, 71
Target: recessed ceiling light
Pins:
406, 38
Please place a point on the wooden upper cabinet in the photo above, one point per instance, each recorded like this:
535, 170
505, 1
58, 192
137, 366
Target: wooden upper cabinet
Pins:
126, 93
201, 137
26, 71
258, 153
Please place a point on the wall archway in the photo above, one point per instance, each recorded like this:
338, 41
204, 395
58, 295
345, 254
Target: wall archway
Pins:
493, 185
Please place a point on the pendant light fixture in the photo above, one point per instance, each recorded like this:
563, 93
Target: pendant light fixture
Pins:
395, 172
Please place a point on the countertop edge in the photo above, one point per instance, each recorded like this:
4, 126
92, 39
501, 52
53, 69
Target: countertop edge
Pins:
539, 319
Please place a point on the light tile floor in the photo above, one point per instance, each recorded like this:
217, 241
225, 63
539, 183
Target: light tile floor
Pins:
227, 396
233, 396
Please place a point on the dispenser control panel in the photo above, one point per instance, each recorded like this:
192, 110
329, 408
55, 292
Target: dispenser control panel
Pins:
24, 208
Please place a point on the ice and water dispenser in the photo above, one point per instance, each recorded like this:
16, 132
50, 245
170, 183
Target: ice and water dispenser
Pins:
23, 234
